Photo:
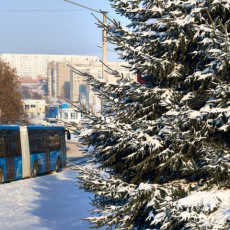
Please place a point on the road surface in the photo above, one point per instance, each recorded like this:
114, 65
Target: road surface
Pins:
73, 152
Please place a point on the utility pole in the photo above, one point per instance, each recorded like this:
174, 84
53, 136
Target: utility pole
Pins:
104, 37
104, 58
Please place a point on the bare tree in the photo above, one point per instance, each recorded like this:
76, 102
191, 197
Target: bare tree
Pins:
10, 97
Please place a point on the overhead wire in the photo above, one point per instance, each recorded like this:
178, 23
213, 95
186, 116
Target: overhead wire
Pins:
55, 11
41, 10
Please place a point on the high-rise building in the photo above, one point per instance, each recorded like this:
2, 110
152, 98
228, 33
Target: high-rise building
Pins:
34, 65
81, 91
65, 83
58, 74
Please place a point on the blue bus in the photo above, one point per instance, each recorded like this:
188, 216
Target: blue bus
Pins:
26, 151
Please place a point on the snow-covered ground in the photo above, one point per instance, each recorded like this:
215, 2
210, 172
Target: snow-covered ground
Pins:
50, 202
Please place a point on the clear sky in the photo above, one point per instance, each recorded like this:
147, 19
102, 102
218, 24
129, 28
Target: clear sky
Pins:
53, 27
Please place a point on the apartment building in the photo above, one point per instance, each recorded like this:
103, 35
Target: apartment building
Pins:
63, 82
34, 65
78, 85
81, 91
58, 74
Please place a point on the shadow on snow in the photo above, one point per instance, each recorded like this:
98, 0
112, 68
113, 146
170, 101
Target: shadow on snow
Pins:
61, 203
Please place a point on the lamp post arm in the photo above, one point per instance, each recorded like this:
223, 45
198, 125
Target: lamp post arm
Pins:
108, 49
84, 6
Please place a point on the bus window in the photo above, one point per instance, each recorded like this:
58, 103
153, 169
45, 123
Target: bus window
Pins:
8, 141
39, 143
16, 146
57, 142
51, 142
2, 148
32, 141
54, 142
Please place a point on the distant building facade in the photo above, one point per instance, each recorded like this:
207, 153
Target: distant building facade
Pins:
33, 65
34, 106
80, 91
70, 115
59, 77
64, 83
35, 109
65, 112
31, 80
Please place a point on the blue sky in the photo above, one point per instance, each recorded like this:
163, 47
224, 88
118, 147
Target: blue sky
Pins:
53, 27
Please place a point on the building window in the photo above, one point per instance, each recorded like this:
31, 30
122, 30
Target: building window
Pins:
33, 106
27, 106
73, 115
65, 115
82, 88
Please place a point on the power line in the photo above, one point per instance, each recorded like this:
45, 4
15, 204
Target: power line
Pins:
54, 11
40, 10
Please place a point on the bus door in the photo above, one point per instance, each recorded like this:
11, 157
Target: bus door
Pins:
63, 150
46, 151
9, 154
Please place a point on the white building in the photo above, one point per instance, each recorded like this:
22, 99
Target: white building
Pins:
69, 115
34, 65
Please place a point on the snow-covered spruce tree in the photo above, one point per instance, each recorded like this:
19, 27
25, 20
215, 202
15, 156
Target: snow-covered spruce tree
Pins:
164, 142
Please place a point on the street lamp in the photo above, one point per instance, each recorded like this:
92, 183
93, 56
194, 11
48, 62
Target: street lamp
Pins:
107, 49
104, 57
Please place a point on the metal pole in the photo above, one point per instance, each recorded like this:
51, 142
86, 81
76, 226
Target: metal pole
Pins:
104, 57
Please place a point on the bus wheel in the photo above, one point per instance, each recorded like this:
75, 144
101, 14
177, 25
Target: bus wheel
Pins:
35, 170
58, 165
1, 177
